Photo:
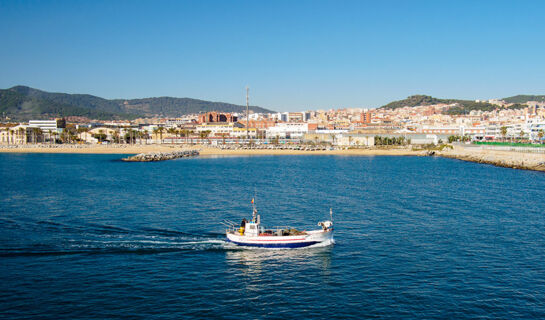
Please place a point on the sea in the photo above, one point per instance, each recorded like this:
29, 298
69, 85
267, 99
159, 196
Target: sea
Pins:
91, 237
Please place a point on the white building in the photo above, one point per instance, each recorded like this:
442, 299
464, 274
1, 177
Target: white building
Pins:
227, 129
48, 125
287, 130
280, 116
355, 140
534, 129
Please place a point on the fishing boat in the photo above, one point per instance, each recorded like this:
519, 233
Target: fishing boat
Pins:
253, 234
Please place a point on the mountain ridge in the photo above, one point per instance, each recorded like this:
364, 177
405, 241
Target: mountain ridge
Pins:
24, 103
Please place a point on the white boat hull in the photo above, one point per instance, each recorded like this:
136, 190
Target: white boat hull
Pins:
299, 241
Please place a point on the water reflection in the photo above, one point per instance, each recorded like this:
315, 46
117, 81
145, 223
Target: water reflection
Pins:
256, 265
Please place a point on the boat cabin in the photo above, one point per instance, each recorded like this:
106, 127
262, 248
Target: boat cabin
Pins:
251, 229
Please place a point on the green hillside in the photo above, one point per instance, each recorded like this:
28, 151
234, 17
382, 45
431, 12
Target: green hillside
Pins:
521, 98
173, 107
21, 107
460, 106
412, 101
23, 103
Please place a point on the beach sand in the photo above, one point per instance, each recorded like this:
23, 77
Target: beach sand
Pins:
204, 150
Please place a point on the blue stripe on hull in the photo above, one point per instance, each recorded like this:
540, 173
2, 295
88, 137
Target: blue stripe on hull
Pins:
275, 245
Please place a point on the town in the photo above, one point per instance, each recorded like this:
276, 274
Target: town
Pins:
348, 127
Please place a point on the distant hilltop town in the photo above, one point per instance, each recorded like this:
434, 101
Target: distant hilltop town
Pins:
415, 120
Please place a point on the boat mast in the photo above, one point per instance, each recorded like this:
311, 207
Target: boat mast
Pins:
255, 217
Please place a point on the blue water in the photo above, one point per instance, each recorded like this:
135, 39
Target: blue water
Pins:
85, 236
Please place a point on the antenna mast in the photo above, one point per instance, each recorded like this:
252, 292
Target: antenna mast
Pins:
247, 111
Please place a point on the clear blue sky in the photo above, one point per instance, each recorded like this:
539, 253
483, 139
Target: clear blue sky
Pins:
294, 55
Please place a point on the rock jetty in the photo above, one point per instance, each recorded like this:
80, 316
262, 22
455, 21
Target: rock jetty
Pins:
161, 156
515, 160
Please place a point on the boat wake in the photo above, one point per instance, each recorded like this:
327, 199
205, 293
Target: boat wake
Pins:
52, 238
60, 239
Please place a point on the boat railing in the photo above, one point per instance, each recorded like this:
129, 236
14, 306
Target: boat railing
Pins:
230, 226
278, 228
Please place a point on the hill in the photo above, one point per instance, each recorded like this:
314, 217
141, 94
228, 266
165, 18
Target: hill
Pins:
460, 106
173, 107
23, 103
413, 101
521, 98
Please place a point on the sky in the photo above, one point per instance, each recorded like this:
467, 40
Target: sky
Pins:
294, 55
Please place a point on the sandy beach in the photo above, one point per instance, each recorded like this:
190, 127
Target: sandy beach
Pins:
203, 150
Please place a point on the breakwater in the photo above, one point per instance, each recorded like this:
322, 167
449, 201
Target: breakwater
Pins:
514, 160
161, 156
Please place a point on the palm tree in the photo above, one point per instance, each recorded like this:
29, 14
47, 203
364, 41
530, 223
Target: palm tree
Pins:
223, 137
50, 132
73, 136
68, 134
540, 135
10, 135
503, 131
63, 136
81, 130
35, 133
55, 134
171, 131
521, 134
145, 134
161, 130
140, 135
184, 133
22, 133
178, 133
116, 136
155, 132
204, 134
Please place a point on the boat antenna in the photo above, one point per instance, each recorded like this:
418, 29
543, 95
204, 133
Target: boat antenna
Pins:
331, 214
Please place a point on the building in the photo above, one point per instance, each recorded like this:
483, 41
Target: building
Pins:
281, 116
296, 117
48, 125
260, 124
226, 130
287, 130
217, 117
350, 139
535, 129
366, 117
442, 130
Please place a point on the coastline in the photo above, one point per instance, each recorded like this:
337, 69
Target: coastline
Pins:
203, 150
508, 159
